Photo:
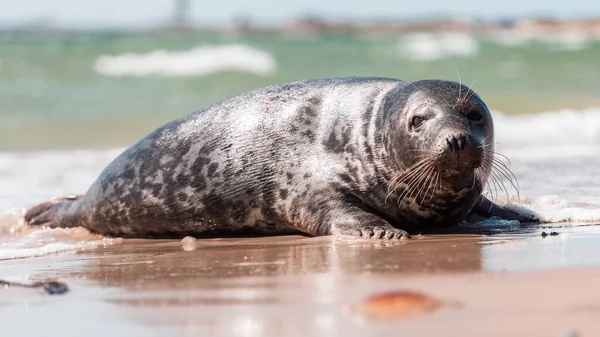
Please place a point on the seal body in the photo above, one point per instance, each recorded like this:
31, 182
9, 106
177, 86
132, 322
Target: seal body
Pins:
370, 157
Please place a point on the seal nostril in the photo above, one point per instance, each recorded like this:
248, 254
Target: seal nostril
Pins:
450, 145
461, 142
455, 144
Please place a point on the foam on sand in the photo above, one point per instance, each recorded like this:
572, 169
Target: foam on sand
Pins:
19, 240
554, 209
199, 61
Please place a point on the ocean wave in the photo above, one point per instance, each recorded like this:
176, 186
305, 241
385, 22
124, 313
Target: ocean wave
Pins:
200, 61
63, 173
555, 134
431, 47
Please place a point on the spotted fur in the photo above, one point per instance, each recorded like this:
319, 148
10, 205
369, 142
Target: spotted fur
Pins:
319, 156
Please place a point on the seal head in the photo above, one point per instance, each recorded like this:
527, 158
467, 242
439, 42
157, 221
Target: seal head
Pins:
438, 150
446, 124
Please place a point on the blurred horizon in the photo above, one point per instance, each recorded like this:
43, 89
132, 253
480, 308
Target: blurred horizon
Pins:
136, 14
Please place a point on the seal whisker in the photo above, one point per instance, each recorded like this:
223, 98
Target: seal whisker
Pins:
422, 183
500, 183
429, 181
501, 169
486, 137
486, 169
493, 187
414, 183
459, 83
504, 167
403, 176
412, 83
410, 182
419, 185
472, 91
407, 172
502, 155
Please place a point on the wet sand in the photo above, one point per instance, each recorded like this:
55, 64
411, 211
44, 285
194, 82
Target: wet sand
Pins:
518, 284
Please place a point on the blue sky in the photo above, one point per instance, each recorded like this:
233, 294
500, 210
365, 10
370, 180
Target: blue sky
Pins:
88, 13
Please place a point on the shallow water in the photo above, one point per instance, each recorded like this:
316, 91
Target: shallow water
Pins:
297, 286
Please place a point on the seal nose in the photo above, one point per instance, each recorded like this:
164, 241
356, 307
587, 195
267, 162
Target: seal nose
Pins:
456, 143
463, 149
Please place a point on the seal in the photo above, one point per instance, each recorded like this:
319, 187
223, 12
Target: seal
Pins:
367, 157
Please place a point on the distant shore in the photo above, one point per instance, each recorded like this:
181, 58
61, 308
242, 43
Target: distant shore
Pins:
589, 27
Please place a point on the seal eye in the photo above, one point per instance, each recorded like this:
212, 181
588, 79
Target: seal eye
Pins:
416, 121
475, 116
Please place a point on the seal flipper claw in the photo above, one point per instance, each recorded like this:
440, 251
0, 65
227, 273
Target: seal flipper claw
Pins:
356, 222
383, 232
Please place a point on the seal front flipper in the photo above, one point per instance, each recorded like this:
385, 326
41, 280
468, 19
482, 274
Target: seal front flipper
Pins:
357, 222
50, 213
486, 208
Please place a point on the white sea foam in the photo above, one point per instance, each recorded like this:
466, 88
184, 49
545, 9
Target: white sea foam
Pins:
431, 47
200, 61
554, 209
19, 240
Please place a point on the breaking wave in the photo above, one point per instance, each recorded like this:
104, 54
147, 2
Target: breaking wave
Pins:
556, 134
431, 47
199, 61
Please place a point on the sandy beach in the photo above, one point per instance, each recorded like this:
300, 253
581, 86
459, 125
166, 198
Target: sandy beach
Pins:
519, 284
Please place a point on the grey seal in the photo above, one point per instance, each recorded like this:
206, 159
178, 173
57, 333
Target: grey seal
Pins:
366, 157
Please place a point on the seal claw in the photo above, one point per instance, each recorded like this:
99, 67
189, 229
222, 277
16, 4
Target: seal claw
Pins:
386, 232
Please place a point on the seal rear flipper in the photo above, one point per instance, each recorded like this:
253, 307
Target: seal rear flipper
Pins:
486, 209
49, 213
